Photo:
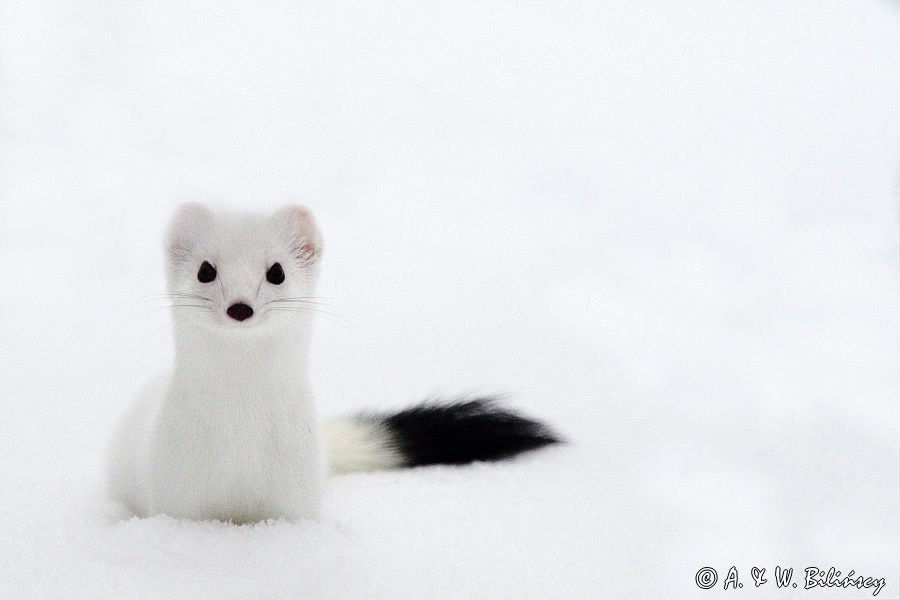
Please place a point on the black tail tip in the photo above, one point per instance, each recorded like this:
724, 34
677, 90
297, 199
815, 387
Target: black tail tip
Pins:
464, 431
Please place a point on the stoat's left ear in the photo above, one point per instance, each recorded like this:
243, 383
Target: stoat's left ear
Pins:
299, 228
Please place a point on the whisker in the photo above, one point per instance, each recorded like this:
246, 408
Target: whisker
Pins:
311, 311
292, 301
142, 344
313, 300
163, 299
189, 306
178, 295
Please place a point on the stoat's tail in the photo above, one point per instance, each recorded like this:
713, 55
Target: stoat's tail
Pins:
431, 434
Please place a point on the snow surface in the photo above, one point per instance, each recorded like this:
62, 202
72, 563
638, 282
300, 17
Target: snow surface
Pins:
670, 229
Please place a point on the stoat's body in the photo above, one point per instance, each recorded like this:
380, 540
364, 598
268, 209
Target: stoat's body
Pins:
232, 433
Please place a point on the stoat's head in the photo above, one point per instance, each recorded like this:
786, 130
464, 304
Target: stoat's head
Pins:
241, 272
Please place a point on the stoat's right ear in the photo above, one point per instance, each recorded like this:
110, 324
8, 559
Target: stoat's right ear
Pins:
186, 228
301, 233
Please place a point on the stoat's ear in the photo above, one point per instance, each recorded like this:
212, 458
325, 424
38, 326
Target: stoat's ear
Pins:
185, 229
298, 227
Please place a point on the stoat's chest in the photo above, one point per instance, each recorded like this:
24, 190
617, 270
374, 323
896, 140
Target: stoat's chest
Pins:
241, 424
233, 445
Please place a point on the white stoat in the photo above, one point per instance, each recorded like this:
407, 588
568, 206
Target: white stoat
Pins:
231, 432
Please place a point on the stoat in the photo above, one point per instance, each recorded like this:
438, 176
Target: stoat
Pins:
231, 433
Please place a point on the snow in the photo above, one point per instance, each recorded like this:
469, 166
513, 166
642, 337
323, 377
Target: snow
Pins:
669, 229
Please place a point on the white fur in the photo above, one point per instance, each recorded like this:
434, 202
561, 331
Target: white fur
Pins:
357, 445
231, 433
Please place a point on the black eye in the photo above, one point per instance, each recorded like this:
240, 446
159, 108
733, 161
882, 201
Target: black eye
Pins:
206, 273
275, 274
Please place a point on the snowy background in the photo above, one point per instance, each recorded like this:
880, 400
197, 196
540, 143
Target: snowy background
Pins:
670, 229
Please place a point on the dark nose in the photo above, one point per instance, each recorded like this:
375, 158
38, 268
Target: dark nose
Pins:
239, 311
